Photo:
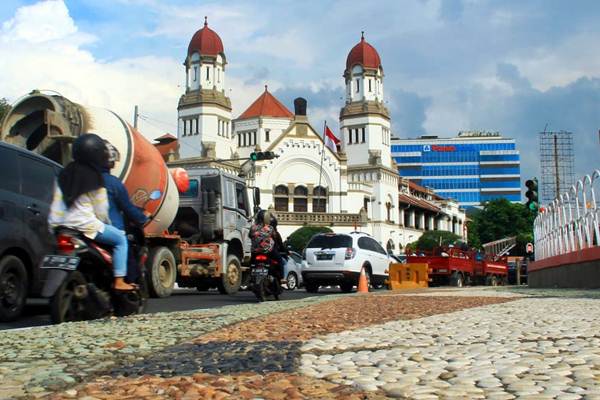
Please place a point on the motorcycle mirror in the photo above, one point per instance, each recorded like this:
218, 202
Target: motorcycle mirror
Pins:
155, 195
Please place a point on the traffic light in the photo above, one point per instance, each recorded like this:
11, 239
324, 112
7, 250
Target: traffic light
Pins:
262, 155
532, 195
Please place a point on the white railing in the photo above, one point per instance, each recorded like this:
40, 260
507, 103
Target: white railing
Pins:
571, 222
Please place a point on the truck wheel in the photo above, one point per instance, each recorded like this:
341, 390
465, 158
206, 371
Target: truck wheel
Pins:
311, 287
231, 280
162, 272
13, 288
457, 279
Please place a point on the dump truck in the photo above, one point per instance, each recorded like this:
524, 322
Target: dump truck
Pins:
198, 238
457, 267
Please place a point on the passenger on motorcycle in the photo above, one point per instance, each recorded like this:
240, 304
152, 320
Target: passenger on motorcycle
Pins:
264, 235
80, 202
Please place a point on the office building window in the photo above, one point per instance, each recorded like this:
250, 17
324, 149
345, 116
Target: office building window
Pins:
319, 199
300, 199
281, 198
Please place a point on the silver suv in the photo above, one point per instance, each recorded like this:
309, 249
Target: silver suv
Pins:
337, 259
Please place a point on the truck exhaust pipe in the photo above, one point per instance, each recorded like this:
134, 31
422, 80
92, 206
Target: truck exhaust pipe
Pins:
48, 125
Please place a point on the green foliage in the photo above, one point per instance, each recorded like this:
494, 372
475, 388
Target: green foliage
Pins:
499, 219
300, 237
4, 108
432, 239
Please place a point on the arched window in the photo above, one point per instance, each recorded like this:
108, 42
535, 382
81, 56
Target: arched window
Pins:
300, 199
388, 208
390, 246
281, 198
319, 199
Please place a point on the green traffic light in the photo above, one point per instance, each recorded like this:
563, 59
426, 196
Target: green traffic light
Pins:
253, 156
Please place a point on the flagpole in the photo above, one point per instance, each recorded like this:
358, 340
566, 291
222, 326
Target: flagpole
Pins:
322, 156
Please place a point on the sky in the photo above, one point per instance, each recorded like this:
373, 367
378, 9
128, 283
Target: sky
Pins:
511, 66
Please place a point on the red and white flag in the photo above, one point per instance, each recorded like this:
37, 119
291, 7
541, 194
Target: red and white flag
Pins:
330, 140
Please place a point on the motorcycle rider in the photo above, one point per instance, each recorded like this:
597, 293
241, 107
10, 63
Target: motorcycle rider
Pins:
80, 202
118, 199
264, 236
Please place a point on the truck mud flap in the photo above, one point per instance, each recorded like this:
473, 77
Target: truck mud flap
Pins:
408, 276
54, 278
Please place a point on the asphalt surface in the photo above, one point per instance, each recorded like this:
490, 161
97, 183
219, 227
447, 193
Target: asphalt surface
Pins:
36, 311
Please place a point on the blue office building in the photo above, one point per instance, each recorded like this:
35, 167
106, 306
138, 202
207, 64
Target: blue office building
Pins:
472, 168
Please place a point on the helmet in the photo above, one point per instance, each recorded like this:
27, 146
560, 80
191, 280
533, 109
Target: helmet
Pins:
260, 216
89, 148
270, 219
113, 154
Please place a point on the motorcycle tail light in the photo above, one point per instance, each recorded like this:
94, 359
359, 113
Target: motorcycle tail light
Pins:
261, 257
65, 244
350, 253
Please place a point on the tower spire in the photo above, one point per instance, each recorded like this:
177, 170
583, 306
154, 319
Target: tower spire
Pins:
205, 20
362, 35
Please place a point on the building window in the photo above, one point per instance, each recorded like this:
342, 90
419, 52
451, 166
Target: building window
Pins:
363, 135
254, 138
245, 139
357, 85
281, 198
349, 136
267, 135
366, 204
319, 199
239, 139
369, 85
300, 199
195, 73
388, 208
208, 73
356, 136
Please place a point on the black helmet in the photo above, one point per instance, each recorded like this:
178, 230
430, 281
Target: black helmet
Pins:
260, 216
89, 148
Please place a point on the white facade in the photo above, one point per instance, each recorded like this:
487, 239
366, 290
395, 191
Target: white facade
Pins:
308, 183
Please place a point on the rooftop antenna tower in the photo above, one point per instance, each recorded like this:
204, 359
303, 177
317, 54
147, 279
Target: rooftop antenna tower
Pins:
556, 164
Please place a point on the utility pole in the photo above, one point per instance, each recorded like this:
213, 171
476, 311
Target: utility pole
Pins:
135, 117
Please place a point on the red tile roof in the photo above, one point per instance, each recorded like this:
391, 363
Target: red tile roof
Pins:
266, 106
165, 147
167, 137
416, 202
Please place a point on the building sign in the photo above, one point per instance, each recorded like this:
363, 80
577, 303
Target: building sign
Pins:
426, 147
443, 148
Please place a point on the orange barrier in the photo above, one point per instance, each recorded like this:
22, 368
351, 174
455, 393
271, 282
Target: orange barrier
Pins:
408, 276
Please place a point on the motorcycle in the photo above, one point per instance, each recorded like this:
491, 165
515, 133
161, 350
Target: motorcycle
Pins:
80, 277
264, 279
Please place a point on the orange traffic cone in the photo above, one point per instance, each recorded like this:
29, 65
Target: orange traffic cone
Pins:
363, 286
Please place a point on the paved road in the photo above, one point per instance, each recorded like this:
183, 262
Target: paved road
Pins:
36, 311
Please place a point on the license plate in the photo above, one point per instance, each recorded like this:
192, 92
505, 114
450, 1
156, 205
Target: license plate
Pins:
324, 256
260, 271
61, 262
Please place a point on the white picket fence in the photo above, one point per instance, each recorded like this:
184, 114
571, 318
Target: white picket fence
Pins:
571, 222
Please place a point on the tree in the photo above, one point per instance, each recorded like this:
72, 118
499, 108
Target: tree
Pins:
499, 219
4, 108
300, 237
431, 239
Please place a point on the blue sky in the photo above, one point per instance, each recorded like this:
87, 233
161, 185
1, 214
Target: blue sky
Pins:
508, 66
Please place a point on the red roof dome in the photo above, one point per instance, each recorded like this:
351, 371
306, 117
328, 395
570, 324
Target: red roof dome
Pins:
206, 42
364, 54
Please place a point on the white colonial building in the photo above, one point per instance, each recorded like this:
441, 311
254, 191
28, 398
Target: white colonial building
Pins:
355, 186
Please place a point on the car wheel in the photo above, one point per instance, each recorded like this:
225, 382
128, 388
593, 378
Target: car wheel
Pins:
13, 288
163, 272
292, 281
312, 287
347, 287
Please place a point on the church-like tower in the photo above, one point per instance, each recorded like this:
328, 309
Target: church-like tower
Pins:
364, 120
204, 111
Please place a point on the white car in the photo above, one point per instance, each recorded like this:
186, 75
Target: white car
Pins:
337, 259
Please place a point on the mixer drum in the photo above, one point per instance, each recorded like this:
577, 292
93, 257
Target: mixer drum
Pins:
48, 125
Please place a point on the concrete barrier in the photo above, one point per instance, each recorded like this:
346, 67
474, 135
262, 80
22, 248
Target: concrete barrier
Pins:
408, 276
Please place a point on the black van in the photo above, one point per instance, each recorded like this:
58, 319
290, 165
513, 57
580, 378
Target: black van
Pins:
26, 189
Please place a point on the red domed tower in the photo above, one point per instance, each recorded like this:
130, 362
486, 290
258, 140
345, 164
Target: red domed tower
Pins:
204, 110
364, 120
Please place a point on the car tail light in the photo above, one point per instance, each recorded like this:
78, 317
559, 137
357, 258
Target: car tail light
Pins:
350, 253
65, 244
261, 257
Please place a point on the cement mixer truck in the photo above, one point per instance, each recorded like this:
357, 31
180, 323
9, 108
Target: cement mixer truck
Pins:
196, 239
